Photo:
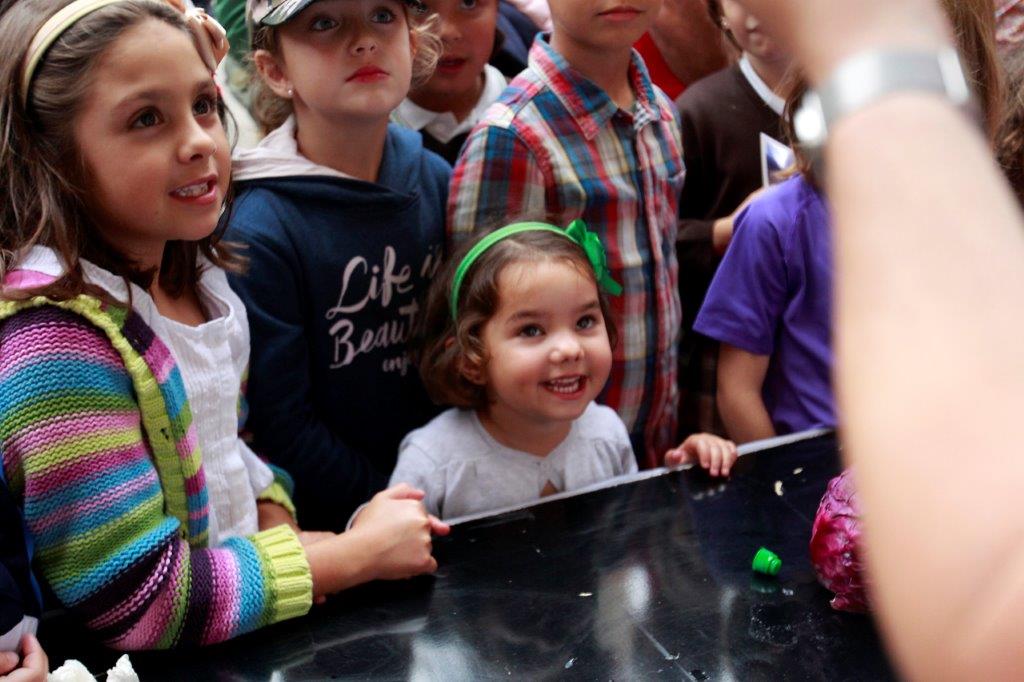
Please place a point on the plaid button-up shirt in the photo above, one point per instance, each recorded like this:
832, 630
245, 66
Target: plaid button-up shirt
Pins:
555, 147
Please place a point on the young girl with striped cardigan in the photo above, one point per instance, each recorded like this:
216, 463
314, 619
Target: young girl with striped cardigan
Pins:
123, 351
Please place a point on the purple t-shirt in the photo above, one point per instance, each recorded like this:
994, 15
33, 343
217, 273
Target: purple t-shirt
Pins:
772, 295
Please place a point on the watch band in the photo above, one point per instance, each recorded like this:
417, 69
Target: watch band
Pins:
867, 77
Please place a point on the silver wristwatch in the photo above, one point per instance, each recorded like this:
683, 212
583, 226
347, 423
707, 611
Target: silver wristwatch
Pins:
869, 76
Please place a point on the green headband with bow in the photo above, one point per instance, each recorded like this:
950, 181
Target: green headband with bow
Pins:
577, 233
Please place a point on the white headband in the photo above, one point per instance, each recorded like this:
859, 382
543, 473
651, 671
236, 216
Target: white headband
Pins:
49, 32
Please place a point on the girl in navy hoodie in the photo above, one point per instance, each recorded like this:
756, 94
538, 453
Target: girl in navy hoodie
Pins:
342, 215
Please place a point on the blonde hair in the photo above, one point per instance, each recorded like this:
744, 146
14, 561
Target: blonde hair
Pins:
270, 111
43, 200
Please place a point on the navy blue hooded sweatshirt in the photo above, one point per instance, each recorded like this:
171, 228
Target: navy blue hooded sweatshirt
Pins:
20, 598
337, 273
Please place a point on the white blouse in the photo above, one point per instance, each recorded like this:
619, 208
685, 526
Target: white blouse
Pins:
212, 360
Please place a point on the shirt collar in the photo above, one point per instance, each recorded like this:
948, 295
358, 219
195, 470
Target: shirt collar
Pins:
774, 102
442, 124
46, 261
277, 156
587, 103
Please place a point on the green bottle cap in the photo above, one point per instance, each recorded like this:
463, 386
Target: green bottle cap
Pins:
767, 562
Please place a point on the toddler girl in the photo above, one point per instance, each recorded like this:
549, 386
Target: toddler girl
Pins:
342, 215
123, 351
518, 337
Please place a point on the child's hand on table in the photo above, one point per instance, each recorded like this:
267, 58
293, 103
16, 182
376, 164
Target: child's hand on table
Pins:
715, 454
402, 529
34, 665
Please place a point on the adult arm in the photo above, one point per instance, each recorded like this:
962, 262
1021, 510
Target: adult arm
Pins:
331, 478
497, 180
740, 380
74, 451
930, 372
957, 432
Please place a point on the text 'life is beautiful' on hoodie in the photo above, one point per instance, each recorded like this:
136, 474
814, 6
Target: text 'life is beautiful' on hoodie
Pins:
337, 271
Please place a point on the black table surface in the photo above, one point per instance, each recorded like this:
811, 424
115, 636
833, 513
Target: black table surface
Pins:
649, 579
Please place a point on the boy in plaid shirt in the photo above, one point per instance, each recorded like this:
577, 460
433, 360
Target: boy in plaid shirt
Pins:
583, 133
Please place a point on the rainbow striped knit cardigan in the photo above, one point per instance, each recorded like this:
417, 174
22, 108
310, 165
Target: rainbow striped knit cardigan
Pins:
99, 446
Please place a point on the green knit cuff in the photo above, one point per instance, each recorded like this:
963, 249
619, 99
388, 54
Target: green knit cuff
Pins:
276, 492
282, 477
287, 577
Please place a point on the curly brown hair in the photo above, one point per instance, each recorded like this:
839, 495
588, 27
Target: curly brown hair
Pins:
1010, 140
43, 200
270, 110
444, 346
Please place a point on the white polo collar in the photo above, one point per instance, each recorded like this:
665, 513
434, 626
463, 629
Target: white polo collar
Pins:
441, 125
774, 102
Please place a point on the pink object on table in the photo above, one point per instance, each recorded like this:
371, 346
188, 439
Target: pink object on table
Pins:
835, 545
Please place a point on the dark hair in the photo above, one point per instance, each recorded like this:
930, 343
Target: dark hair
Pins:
443, 345
973, 24
1010, 140
42, 175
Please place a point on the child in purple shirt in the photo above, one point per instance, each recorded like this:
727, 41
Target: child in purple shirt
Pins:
770, 306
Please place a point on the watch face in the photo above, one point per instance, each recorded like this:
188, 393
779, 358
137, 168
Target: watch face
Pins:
809, 121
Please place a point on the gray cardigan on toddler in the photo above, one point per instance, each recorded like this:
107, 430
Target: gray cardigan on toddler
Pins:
464, 470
